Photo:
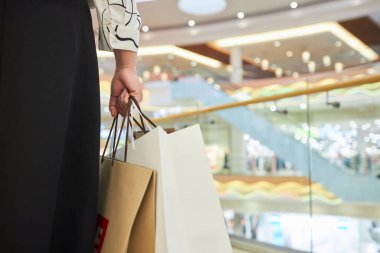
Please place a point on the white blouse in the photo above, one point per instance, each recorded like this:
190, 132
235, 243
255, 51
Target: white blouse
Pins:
119, 24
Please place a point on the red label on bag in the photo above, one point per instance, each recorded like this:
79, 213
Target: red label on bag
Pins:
101, 229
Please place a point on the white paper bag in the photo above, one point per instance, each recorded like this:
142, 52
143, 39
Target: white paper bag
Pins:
189, 217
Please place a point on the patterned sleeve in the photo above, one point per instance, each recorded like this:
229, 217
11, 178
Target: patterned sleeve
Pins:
119, 24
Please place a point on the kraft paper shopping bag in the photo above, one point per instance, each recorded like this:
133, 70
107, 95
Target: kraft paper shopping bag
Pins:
126, 209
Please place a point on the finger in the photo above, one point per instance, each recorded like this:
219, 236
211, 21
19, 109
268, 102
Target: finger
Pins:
136, 94
114, 111
112, 106
125, 97
123, 106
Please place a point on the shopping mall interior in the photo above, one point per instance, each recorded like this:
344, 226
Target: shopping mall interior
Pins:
287, 94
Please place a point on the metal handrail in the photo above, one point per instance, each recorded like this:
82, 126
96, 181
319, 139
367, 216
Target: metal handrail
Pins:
296, 93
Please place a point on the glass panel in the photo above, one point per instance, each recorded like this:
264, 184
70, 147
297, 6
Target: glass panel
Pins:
345, 127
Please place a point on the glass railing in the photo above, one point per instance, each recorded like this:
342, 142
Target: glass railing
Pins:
299, 173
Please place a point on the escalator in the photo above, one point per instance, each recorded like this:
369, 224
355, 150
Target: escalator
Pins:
355, 188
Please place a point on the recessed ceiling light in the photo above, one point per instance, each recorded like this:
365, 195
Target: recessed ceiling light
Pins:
193, 64
277, 43
339, 67
164, 76
145, 28
293, 5
156, 69
240, 15
306, 56
311, 66
146, 74
289, 53
191, 23
338, 43
265, 64
279, 72
326, 61
295, 75
210, 80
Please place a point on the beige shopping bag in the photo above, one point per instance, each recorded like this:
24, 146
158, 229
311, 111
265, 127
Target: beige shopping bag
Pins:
126, 201
126, 209
189, 216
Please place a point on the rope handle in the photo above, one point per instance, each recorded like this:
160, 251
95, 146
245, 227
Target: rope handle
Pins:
130, 106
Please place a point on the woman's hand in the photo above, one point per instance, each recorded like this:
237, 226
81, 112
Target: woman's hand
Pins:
125, 83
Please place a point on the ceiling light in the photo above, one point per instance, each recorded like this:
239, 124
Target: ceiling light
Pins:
338, 43
333, 27
306, 56
295, 75
277, 43
217, 86
180, 52
191, 23
202, 7
293, 5
156, 69
210, 80
289, 54
339, 67
265, 64
311, 66
326, 61
164, 76
146, 75
193, 64
145, 28
240, 15
279, 72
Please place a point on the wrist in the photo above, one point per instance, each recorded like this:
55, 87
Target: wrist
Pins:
125, 60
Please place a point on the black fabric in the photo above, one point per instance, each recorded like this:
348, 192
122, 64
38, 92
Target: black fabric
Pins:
49, 127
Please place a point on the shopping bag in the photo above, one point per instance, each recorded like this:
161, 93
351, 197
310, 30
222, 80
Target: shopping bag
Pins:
189, 217
126, 208
126, 205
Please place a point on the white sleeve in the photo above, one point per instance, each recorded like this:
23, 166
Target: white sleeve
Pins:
119, 24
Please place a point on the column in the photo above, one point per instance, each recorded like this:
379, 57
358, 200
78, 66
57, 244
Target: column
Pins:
237, 65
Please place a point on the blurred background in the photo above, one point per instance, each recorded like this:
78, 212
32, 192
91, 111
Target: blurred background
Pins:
287, 94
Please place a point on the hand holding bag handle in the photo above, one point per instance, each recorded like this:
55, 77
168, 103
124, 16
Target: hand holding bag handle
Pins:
132, 101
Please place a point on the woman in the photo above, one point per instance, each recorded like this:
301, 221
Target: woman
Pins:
49, 130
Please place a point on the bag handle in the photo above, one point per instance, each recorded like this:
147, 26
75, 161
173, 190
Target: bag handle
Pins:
132, 101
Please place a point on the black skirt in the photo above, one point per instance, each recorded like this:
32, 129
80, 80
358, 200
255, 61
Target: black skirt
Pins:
49, 127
